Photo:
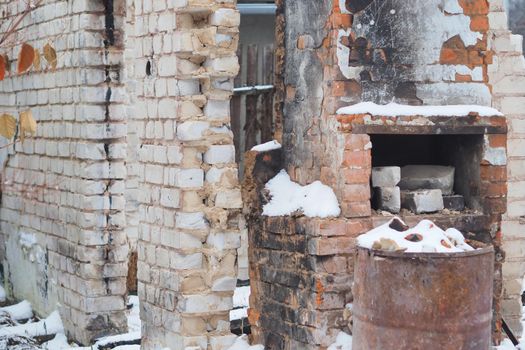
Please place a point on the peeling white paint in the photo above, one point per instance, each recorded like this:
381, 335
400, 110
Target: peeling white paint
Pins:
469, 37
476, 73
494, 155
452, 7
439, 72
444, 92
29, 275
342, 6
432, 24
27, 240
343, 57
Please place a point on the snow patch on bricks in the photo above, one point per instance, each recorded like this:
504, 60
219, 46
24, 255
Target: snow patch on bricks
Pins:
241, 343
287, 197
241, 302
398, 110
342, 342
268, 146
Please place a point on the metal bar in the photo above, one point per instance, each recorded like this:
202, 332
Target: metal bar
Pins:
509, 333
257, 9
253, 90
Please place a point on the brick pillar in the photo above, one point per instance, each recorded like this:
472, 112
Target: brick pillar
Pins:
189, 193
507, 77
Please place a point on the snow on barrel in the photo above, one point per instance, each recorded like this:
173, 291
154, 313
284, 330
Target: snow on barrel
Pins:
425, 237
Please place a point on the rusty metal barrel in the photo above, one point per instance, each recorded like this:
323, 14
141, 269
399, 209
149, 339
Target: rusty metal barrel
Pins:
423, 301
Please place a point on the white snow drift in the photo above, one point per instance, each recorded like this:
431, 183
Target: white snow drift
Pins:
314, 200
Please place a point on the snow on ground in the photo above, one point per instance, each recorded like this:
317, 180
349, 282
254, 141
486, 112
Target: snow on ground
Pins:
59, 342
342, 342
507, 345
53, 325
241, 343
425, 237
268, 146
314, 200
397, 110
2, 294
134, 323
50, 325
21, 311
117, 339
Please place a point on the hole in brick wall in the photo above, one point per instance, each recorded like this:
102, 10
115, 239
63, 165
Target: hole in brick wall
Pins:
398, 225
448, 163
414, 237
355, 6
445, 244
360, 54
148, 68
131, 281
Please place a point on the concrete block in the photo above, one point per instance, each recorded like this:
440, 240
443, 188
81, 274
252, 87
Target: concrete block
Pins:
387, 176
387, 198
423, 201
427, 177
454, 202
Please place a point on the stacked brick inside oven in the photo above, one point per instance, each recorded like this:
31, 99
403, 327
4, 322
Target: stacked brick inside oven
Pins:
418, 188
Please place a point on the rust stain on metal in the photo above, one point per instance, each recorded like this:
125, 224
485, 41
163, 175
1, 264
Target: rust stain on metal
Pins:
423, 301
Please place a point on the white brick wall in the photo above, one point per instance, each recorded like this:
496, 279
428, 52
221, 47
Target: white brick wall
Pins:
189, 225
507, 77
66, 186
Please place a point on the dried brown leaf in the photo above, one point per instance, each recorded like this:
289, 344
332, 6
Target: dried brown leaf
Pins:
2, 68
36, 60
7, 126
25, 58
7, 65
27, 124
50, 55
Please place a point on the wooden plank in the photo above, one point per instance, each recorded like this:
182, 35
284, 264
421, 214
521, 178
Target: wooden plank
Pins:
238, 79
235, 110
251, 126
266, 117
428, 129
253, 90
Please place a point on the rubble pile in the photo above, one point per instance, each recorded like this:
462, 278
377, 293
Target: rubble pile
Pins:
420, 189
